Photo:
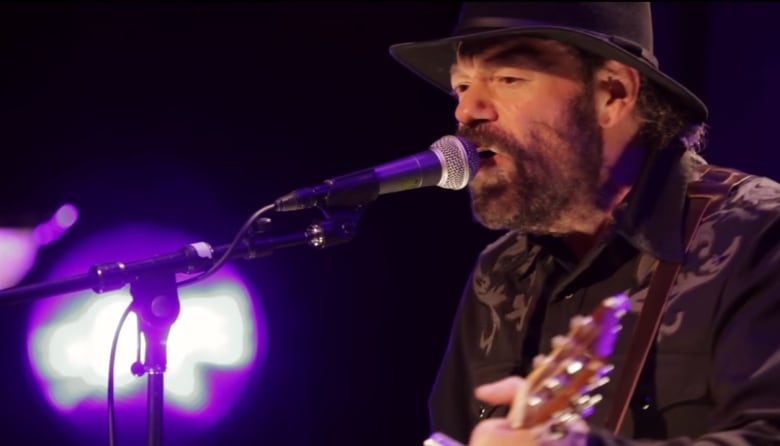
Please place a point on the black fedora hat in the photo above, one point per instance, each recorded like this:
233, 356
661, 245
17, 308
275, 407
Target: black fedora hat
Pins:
614, 30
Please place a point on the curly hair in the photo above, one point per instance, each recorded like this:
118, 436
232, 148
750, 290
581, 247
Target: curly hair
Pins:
664, 121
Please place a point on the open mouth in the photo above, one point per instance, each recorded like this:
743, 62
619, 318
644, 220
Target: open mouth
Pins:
486, 154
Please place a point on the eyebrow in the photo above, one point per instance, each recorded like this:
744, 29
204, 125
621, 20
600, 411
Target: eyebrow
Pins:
517, 54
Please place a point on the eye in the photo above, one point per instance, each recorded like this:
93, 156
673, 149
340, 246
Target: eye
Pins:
509, 80
459, 89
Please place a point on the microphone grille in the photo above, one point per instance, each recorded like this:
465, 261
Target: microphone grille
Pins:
460, 161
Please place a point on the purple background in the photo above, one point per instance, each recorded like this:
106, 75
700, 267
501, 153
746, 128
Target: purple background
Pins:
196, 115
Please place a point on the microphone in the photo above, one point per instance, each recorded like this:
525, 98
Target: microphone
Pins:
450, 163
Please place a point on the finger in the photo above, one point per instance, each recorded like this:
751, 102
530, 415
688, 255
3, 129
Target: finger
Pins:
558, 341
496, 432
516, 415
571, 432
499, 392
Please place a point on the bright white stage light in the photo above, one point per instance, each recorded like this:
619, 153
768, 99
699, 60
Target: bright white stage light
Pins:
216, 341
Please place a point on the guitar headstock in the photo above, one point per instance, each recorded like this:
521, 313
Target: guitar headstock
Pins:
561, 383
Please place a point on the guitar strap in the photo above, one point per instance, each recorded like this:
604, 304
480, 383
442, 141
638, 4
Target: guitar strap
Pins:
703, 196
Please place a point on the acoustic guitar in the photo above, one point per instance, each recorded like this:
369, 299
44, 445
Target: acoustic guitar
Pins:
561, 386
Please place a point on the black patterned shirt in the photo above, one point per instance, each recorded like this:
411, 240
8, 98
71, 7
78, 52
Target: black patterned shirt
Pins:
714, 370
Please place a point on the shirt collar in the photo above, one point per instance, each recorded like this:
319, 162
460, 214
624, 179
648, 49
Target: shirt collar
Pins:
652, 216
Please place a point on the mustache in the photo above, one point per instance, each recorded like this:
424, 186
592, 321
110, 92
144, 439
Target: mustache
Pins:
488, 137
485, 136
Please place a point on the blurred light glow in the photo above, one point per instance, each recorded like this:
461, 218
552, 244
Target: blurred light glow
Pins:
19, 245
217, 339
66, 216
18, 251
52, 229
214, 328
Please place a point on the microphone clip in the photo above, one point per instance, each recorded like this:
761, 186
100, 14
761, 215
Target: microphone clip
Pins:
340, 226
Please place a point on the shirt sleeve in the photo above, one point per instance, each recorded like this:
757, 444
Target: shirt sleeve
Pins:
452, 407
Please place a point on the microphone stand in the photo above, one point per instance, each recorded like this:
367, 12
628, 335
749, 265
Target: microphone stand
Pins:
155, 291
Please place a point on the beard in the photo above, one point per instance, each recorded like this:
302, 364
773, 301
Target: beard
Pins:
552, 184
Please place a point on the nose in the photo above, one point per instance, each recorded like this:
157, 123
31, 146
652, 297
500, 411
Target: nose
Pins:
475, 105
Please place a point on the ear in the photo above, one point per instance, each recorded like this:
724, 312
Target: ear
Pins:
616, 92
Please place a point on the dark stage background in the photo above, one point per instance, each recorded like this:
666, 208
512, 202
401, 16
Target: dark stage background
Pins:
196, 115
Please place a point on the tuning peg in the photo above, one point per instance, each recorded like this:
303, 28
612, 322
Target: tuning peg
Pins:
619, 302
558, 341
579, 321
585, 404
534, 401
564, 416
596, 383
553, 383
606, 369
539, 361
574, 366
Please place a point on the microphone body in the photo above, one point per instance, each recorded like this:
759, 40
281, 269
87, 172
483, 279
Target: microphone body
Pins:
451, 162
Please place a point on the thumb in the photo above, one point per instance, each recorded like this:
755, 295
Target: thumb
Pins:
500, 392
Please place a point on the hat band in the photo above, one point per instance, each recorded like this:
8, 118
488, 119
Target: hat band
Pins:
474, 24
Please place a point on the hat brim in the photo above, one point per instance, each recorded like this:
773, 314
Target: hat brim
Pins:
432, 60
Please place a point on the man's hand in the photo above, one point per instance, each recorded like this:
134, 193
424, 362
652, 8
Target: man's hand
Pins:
507, 432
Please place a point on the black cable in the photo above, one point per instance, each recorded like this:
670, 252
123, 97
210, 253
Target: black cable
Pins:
221, 261
111, 414
137, 367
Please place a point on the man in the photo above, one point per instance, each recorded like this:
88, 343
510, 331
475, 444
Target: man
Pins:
589, 161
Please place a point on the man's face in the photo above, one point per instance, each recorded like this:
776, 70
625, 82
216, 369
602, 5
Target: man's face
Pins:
524, 104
